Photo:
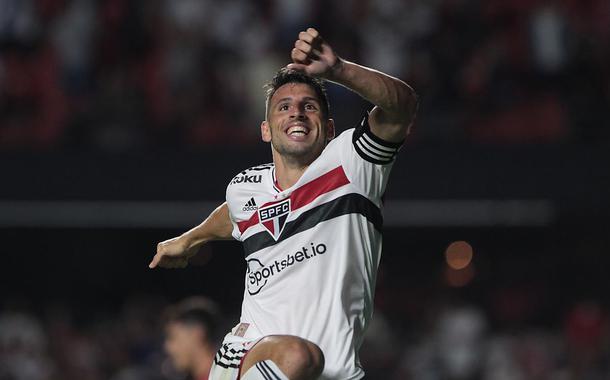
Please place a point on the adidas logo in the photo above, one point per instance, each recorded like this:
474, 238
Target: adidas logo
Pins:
250, 206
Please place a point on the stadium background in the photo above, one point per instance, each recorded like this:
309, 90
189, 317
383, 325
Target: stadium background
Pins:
121, 122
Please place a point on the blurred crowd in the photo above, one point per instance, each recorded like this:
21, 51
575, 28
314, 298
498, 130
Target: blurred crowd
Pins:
121, 75
459, 342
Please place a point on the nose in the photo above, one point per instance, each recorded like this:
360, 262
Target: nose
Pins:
298, 113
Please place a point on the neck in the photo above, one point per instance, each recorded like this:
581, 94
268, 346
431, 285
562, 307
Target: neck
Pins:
287, 171
203, 363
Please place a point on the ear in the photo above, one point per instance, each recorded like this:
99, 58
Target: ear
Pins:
330, 130
265, 131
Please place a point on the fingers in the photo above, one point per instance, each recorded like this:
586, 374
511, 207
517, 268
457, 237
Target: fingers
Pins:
306, 48
310, 36
304, 36
175, 263
168, 262
303, 46
303, 53
158, 256
296, 67
299, 56
155, 261
313, 32
166, 259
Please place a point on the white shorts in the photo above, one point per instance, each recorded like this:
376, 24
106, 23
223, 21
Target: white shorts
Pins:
229, 358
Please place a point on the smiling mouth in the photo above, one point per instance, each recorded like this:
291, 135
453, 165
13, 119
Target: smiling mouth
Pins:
297, 130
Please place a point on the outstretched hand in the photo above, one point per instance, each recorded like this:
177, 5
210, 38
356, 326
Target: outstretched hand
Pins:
313, 56
173, 253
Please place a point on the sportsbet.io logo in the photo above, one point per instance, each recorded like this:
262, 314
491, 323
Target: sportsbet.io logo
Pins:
259, 274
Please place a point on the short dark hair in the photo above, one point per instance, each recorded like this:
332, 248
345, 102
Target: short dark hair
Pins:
197, 311
284, 76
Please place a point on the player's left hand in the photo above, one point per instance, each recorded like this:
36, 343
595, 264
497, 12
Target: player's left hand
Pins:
313, 56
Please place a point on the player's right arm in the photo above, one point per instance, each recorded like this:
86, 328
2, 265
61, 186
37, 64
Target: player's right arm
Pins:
175, 252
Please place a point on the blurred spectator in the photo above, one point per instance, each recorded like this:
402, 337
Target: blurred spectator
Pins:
453, 350
23, 348
460, 337
586, 329
121, 75
378, 352
193, 335
458, 343
33, 109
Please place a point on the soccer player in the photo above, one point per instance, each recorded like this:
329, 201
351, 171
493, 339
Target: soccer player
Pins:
191, 335
310, 222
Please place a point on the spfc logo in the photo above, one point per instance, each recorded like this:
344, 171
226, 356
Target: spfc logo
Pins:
273, 217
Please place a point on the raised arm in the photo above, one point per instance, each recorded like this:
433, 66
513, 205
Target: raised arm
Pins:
175, 252
395, 101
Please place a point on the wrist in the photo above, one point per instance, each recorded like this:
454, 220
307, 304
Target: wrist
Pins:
336, 71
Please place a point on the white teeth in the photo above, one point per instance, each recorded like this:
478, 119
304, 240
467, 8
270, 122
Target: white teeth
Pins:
297, 129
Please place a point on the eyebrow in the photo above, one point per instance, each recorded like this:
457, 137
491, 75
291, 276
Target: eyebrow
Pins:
307, 98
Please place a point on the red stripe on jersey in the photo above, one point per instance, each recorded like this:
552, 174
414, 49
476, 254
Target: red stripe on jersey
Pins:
305, 194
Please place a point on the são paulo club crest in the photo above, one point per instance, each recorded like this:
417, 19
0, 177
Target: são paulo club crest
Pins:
273, 217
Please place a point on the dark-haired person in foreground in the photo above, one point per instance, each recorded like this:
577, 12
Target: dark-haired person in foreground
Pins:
192, 335
310, 222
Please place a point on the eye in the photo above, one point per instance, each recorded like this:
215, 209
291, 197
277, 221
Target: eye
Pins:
310, 107
283, 107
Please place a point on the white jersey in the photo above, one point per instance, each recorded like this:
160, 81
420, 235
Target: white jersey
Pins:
312, 250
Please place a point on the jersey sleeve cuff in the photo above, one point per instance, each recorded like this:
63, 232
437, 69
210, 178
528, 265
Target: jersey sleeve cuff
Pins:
372, 148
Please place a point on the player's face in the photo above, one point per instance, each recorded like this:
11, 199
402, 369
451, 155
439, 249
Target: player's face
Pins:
181, 341
295, 125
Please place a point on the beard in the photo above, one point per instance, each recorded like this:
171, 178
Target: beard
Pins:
301, 153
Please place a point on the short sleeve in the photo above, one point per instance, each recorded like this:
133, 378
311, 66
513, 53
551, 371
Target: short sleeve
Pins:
372, 148
231, 203
368, 159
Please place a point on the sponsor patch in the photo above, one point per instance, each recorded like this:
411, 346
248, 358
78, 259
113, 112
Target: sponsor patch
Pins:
259, 274
245, 178
241, 329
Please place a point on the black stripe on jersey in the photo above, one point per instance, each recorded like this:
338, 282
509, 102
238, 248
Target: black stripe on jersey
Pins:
346, 204
231, 354
227, 361
226, 365
367, 150
229, 357
271, 372
372, 148
258, 168
275, 181
263, 372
